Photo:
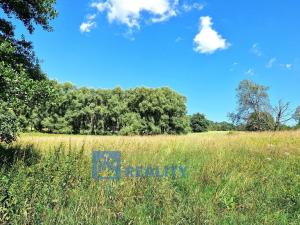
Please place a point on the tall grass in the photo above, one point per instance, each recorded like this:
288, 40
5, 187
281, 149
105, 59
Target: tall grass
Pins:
233, 178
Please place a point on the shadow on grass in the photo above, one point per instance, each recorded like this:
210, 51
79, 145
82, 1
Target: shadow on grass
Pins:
9, 155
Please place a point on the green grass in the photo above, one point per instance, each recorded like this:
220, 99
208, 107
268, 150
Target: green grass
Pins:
233, 178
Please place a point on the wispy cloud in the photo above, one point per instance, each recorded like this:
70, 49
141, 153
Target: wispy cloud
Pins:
274, 62
86, 27
189, 7
288, 66
271, 63
255, 49
178, 39
233, 66
249, 72
207, 41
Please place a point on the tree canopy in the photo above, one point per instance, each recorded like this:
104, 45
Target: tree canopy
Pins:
20, 73
97, 111
253, 104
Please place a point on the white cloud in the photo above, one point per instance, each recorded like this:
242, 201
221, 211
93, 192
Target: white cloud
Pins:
91, 16
208, 40
129, 12
86, 27
255, 49
188, 7
271, 62
288, 66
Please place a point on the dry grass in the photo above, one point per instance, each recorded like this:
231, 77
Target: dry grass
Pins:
282, 142
233, 178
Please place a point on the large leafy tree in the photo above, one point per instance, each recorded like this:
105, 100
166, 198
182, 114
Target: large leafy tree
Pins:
253, 104
19, 68
31, 13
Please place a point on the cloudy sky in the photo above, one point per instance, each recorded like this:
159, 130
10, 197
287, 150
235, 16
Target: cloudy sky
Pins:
202, 49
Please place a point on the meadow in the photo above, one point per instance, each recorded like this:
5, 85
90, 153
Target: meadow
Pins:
233, 178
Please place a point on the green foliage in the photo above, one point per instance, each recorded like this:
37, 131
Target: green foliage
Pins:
19, 95
68, 109
20, 74
254, 107
8, 124
221, 126
132, 123
260, 122
199, 123
31, 13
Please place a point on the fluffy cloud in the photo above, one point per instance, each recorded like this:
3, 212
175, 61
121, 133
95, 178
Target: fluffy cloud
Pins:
208, 40
129, 12
87, 26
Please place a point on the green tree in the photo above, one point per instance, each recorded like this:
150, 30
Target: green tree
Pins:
8, 124
221, 126
199, 123
253, 103
31, 14
19, 68
261, 121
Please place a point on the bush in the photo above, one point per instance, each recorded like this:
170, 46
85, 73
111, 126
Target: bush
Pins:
199, 123
262, 121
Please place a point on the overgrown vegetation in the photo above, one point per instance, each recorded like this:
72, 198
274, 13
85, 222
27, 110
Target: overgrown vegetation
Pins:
233, 178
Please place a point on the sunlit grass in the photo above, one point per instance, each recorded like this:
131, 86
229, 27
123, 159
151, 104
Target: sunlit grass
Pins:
233, 178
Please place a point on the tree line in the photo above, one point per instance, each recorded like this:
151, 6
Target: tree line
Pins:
73, 110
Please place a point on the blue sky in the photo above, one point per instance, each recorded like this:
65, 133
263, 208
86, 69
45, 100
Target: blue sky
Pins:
200, 49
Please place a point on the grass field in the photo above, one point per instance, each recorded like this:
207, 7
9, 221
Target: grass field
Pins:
233, 178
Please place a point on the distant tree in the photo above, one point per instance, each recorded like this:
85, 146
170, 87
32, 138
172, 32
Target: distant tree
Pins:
221, 126
296, 115
253, 104
199, 123
261, 121
282, 114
